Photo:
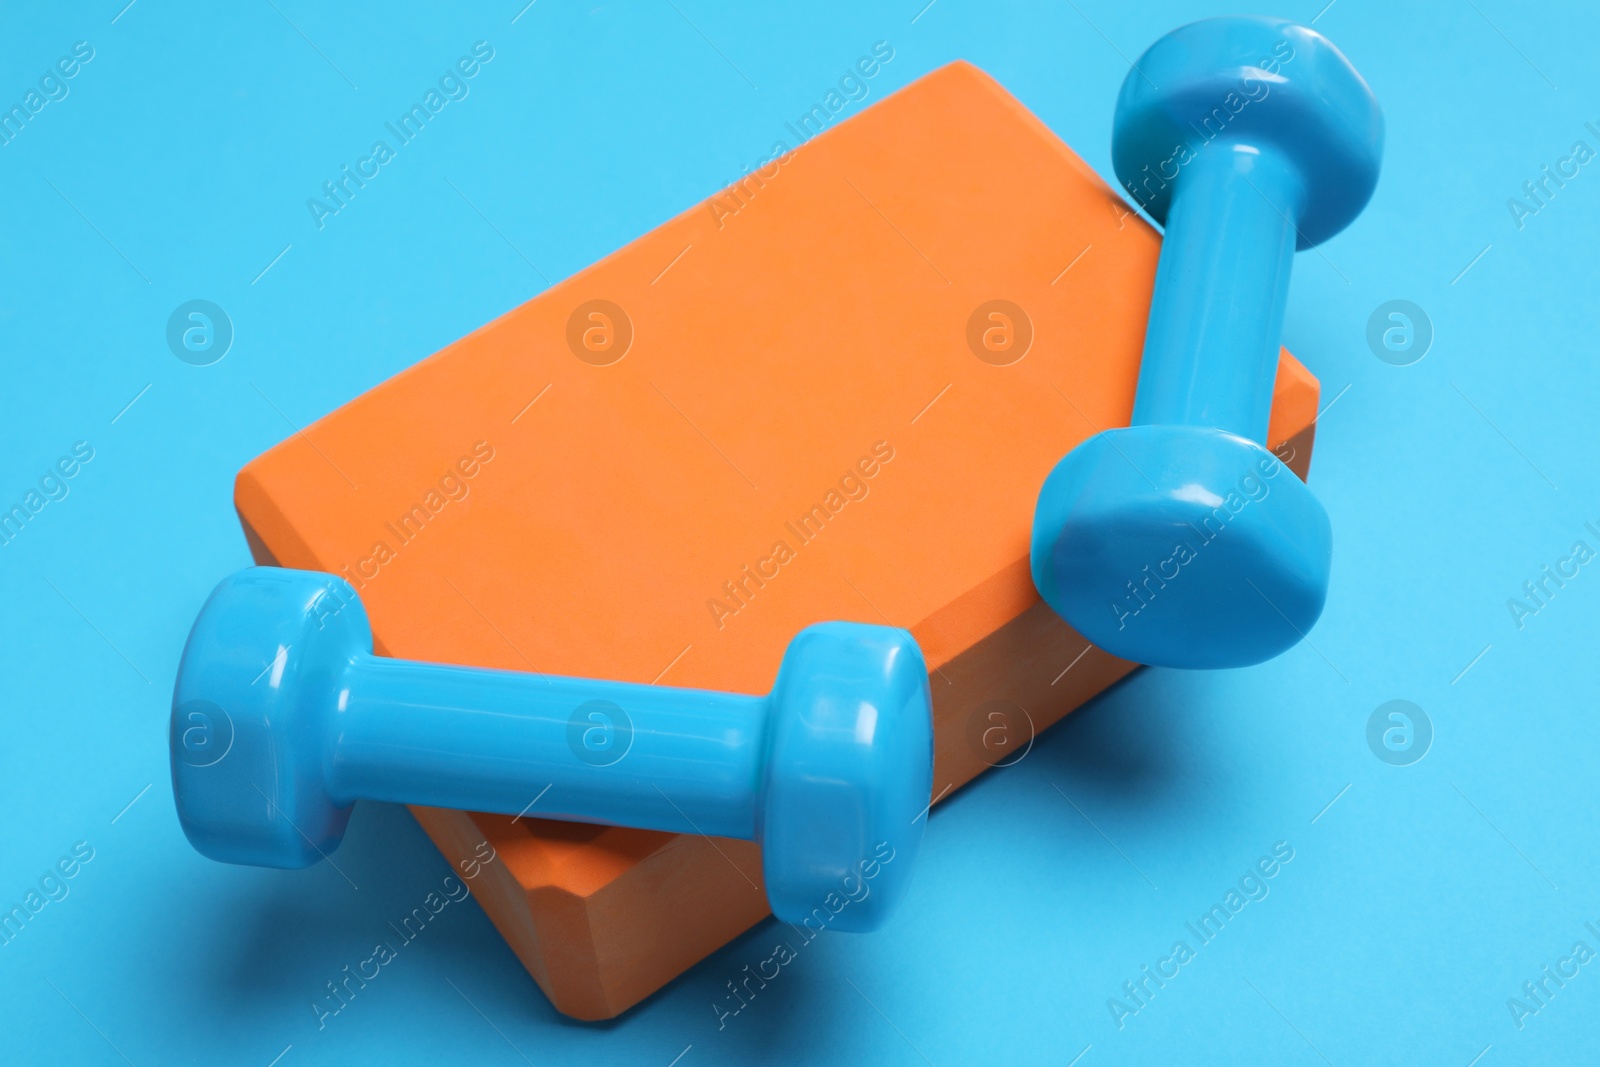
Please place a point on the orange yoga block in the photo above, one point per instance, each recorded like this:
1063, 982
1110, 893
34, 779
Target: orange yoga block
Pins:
830, 392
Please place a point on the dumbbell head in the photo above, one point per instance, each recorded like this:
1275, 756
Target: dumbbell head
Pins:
1210, 80
848, 772
1181, 546
250, 731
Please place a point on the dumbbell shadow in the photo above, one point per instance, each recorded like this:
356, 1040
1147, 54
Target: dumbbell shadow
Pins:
257, 943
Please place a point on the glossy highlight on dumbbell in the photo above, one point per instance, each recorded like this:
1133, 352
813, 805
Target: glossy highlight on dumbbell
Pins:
282, 718
1181, 540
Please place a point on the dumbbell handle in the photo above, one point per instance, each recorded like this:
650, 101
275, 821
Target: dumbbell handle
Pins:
1216, 316
489, 740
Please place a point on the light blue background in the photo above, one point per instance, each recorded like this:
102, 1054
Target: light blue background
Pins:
1415, 905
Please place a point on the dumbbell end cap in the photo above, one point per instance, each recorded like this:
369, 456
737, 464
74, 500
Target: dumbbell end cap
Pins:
848, 776
1181, 546
251, 716
1250, 80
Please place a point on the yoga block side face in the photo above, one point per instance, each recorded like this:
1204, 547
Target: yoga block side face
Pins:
829, 392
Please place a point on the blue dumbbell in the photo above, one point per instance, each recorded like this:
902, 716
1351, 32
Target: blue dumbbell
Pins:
282, 718
1180, 540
